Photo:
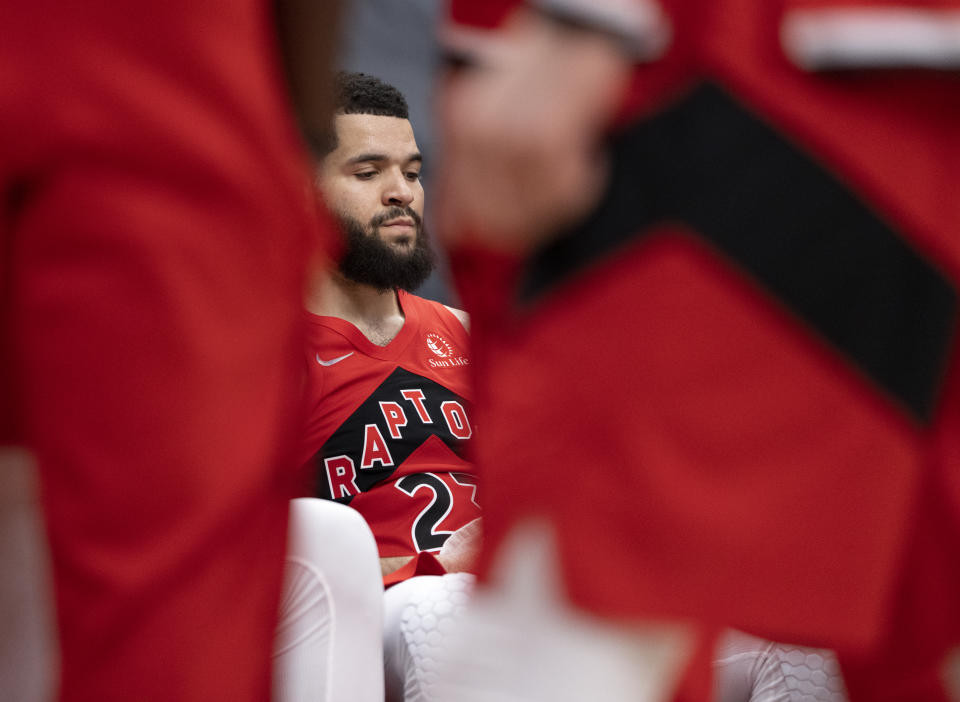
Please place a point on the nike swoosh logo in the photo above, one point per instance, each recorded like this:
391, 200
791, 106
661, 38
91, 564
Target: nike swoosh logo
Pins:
332, 360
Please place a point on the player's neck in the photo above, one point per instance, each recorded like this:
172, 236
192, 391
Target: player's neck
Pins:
376, 314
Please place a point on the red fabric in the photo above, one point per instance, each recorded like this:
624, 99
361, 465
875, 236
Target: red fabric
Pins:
499, 272
696, 444
922, 624
685, 430
424, 563
489, 14
696, 682
157, 241
365, 432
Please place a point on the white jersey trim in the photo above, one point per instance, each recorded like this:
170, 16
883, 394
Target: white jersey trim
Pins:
853, 37
642, 25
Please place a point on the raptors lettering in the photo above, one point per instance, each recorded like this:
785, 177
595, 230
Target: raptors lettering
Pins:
379, 436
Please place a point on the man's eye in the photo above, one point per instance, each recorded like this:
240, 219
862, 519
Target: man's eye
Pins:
365, 175
413, 175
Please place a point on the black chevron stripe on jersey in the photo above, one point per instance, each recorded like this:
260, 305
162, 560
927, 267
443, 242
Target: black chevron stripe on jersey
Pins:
348, 439
709, 163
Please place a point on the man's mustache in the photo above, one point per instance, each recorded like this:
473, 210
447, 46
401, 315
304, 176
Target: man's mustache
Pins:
393, 213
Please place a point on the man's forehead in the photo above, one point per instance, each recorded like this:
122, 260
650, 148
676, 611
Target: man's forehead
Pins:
374, 134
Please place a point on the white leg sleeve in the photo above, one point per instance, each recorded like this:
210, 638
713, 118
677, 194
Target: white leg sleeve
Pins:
328, 640
419, 615
748, 669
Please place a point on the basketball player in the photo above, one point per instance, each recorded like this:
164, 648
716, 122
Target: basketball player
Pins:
744, 349
388, 393
154, 230
330, 629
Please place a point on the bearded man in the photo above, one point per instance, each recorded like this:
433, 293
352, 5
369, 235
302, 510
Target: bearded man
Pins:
387, 395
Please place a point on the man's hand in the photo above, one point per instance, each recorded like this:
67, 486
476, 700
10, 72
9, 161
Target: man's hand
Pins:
458, 554
461, 549
520, 133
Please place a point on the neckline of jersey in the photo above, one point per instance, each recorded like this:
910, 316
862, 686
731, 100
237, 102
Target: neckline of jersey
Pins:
390, 352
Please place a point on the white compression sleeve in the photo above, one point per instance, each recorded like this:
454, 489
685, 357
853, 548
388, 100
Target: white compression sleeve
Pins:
748, 669
419, 615
328, 641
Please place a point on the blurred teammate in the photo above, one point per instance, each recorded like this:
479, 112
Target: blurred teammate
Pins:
743, 349
154, 229
329, 624
388, 417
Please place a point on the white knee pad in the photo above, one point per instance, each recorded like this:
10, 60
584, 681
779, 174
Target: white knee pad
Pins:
328, 640
748, 669
419, 615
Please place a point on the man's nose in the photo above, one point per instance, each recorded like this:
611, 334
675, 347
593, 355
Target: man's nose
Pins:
398, 191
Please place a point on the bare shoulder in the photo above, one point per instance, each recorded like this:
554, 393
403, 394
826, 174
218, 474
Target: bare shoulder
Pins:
461, 315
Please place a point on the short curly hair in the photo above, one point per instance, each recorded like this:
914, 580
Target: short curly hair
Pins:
362, 94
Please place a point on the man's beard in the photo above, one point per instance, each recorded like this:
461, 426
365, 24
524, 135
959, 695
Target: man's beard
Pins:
371, 261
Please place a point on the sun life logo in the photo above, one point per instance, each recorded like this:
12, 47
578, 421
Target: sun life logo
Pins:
439, 345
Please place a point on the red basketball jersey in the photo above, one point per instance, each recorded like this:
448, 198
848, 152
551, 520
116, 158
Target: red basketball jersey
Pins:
388, 426
736, 385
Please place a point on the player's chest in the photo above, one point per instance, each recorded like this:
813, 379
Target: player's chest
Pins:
378, 406
386, 416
